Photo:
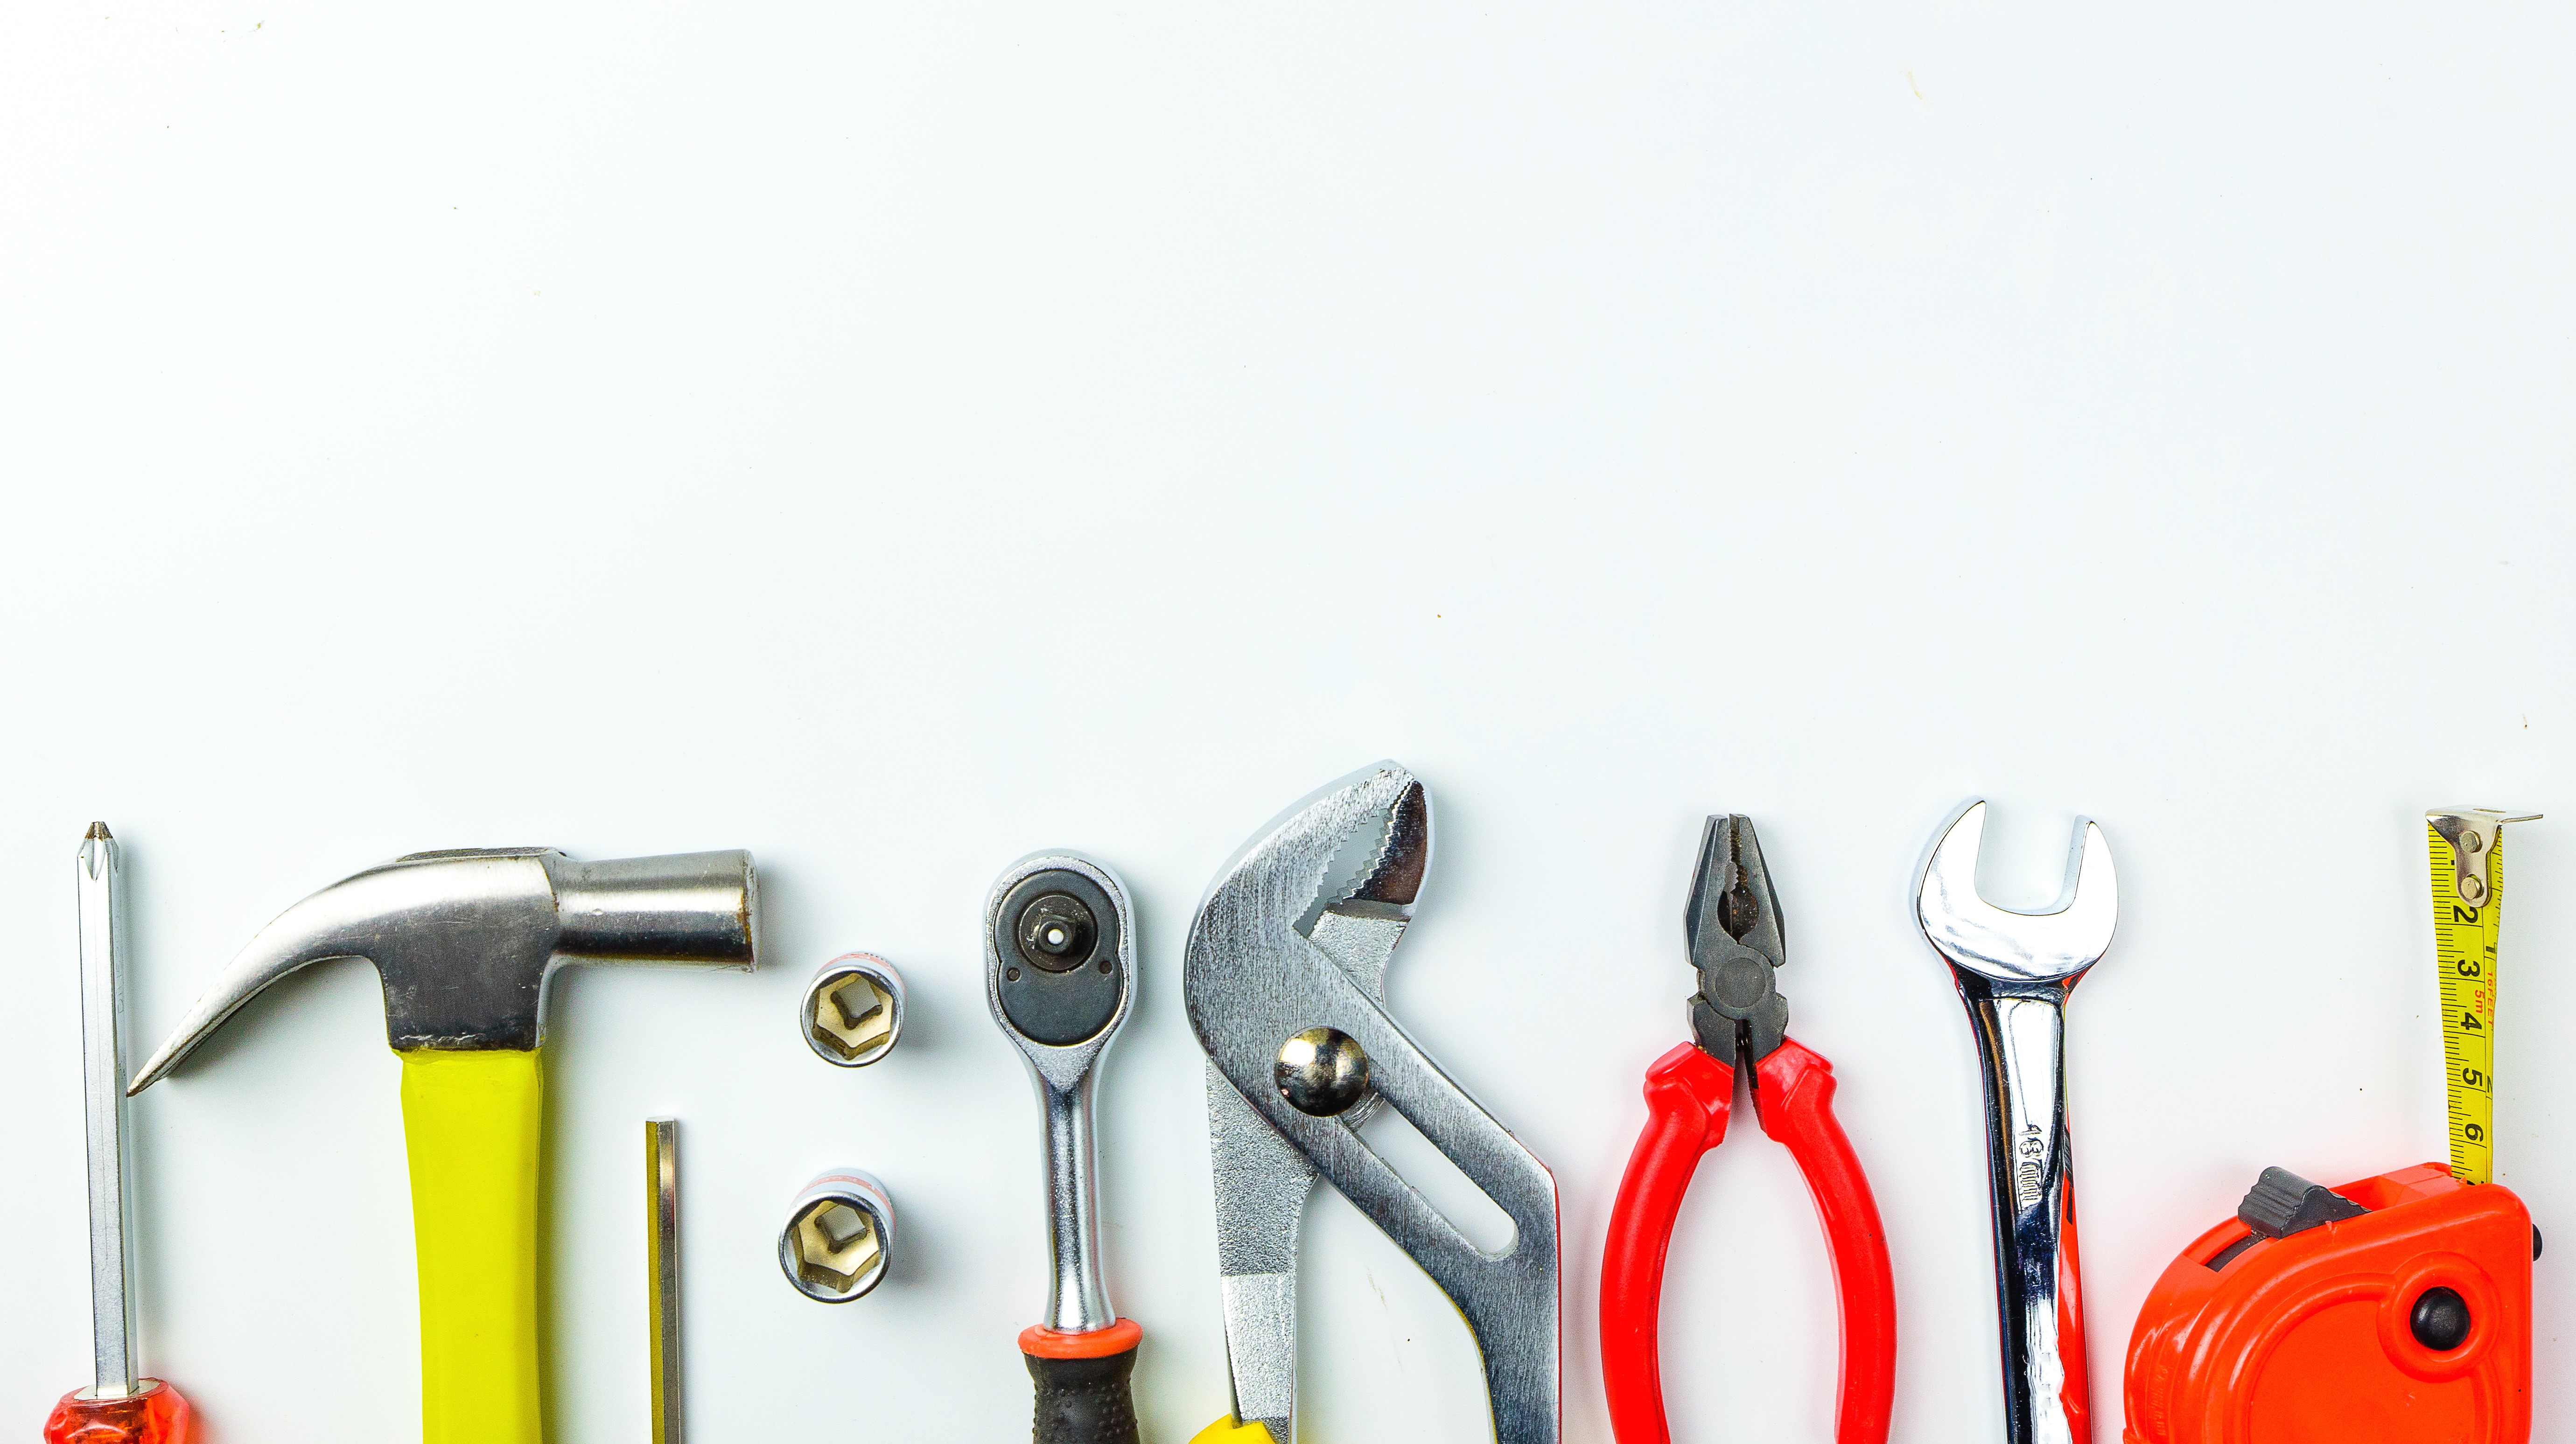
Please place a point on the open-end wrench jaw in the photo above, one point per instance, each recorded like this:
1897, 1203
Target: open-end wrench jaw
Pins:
2005, 945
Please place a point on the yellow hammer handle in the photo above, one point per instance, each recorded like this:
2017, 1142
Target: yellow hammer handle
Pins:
470, 1123
1226, 1431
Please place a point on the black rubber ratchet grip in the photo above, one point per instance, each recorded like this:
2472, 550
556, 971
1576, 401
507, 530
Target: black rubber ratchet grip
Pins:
1084, 1401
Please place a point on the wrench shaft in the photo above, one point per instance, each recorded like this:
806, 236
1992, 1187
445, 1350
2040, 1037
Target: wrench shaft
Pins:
2039, 1297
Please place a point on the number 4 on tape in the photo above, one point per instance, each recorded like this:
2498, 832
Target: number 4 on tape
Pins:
2466, 847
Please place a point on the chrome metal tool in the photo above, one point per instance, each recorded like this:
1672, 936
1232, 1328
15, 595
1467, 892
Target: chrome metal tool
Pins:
120, 1406
852, 1013
1060, 969
2014, 971
1285, 983
839, 1238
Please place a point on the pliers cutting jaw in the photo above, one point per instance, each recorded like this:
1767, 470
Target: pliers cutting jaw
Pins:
1738, 1017
1733, 924
1283, 980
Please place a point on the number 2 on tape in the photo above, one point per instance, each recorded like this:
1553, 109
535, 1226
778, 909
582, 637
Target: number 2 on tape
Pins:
2466, 852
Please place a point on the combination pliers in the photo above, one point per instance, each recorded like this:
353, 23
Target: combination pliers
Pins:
1738, 1017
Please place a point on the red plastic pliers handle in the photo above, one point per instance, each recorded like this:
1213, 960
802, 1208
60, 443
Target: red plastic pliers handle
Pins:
1688, 1097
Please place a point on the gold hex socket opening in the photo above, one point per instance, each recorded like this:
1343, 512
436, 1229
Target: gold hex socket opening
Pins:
853, 1011
839, 1237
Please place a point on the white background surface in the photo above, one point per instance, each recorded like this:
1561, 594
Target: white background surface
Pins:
895, 438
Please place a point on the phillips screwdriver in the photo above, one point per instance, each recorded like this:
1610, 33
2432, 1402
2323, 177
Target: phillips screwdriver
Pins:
121, 1407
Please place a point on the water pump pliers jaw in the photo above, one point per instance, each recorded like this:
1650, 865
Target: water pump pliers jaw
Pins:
1738, 1015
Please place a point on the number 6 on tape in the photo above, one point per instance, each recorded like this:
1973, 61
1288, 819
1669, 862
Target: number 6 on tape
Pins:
2395, 1308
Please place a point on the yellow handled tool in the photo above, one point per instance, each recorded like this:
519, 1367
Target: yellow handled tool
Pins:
470, 1123
2466, 845
465, 942
1227, 1431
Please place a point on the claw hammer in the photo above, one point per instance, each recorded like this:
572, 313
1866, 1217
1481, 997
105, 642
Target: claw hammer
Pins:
465, 943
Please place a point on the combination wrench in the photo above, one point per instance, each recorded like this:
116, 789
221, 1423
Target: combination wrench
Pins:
2014, 972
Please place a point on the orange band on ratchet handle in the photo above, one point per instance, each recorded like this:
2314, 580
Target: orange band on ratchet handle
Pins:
1040, 1342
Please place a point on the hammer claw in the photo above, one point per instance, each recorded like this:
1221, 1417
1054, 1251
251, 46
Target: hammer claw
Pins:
281, 948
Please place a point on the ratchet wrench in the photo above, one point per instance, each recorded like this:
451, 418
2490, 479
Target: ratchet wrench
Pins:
2014, 972
1059, 975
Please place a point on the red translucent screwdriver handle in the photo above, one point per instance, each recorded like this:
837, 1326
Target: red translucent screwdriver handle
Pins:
157, 1415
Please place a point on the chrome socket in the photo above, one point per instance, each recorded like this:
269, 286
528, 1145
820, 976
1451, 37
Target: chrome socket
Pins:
852, 1013
839, 1237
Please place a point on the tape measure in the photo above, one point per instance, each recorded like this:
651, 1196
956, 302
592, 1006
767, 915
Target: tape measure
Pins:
2395, 1307
2466, 848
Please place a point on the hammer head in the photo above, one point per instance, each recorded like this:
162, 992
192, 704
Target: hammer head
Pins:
465, 941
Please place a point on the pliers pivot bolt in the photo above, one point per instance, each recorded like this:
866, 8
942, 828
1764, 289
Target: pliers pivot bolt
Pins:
1738, 1017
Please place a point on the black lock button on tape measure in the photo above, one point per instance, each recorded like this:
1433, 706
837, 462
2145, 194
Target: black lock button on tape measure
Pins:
2395, 1307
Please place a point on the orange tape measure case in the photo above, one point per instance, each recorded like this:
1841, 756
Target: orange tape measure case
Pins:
2393, 1309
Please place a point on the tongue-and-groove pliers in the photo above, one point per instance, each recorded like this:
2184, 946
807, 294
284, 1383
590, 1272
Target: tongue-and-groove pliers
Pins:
1733, 923
1285, 982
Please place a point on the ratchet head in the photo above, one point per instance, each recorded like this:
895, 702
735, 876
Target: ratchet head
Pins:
1059, 958
1977, 937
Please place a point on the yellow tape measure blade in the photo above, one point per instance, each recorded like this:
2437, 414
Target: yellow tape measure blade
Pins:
2466, 851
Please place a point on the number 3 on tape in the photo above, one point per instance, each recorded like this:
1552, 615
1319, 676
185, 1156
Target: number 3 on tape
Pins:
2396, 1307
2466, 850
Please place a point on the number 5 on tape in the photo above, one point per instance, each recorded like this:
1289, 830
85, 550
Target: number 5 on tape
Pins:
2393, 1308
2466, 847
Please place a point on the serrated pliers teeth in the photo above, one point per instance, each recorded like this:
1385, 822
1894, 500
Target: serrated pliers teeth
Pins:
1740, 1024
1737, 946
1286, 967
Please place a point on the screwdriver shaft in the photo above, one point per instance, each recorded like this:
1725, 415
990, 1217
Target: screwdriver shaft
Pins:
102, 945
